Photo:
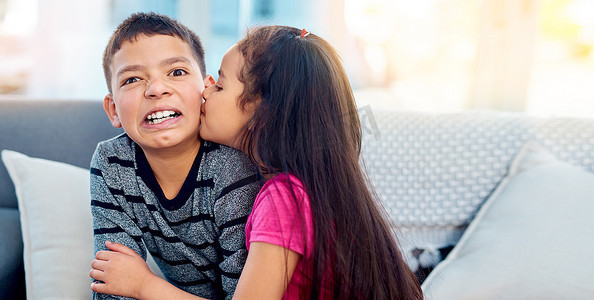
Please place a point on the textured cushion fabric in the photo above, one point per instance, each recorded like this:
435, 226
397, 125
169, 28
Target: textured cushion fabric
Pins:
570, 140
57, 232
530, 240
433, 171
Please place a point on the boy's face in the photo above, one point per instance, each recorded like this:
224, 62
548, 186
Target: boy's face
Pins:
156, 92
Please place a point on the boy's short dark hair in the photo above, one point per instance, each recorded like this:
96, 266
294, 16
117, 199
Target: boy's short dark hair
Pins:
150, 24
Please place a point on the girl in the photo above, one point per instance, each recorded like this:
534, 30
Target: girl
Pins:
316, 229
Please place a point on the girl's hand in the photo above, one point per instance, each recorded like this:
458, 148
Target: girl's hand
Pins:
122, 271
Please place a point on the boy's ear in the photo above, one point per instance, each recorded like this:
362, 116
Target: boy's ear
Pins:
209, 80
110, 110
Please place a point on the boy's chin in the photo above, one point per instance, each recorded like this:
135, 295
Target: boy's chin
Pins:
169, 142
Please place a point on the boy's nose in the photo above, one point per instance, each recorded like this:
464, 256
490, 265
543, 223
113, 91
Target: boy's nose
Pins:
156, 89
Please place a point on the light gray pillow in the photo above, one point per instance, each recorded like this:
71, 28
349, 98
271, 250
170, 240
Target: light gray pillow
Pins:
532, 239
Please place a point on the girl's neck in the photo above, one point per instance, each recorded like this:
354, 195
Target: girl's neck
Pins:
268, 176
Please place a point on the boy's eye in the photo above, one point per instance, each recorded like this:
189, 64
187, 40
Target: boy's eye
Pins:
131, 80
178, 72
218, 87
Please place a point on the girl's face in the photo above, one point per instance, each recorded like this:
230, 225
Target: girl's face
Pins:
221, 117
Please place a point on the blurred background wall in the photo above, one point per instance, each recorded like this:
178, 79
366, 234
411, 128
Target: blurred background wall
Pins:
533, 56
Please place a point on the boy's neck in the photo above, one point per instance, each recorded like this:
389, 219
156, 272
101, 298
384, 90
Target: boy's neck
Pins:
171, 166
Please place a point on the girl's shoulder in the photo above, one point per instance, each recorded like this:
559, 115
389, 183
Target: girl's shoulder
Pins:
284, 190
285, 183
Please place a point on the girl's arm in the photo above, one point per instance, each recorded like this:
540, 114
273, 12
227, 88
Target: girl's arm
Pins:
125, 273
267, 272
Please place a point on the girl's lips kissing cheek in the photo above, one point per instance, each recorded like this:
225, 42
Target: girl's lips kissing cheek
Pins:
162, 118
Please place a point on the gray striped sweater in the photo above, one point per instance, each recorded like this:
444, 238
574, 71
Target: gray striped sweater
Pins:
198, 238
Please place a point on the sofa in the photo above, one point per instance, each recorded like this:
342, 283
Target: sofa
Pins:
485, 205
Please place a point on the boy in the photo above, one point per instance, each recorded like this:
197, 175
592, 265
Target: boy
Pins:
158, 187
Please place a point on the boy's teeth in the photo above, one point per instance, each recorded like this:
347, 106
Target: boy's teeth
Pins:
160, 116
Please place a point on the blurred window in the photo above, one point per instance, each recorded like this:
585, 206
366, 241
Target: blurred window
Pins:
438, 55
562, 74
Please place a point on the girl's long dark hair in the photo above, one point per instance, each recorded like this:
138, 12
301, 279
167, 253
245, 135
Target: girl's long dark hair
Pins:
306, 123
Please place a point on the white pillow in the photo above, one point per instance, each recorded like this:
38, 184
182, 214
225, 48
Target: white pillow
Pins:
532, 239
54, 205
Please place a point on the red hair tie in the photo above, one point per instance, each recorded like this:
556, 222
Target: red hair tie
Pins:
304, 33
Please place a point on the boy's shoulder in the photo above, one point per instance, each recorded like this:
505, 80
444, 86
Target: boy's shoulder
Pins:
120, 146
221, 157
217, 158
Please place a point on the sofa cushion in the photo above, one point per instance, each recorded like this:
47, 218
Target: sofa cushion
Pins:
54, 205
530, 240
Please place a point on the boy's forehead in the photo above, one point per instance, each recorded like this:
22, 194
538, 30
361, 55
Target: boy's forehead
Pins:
144, 49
